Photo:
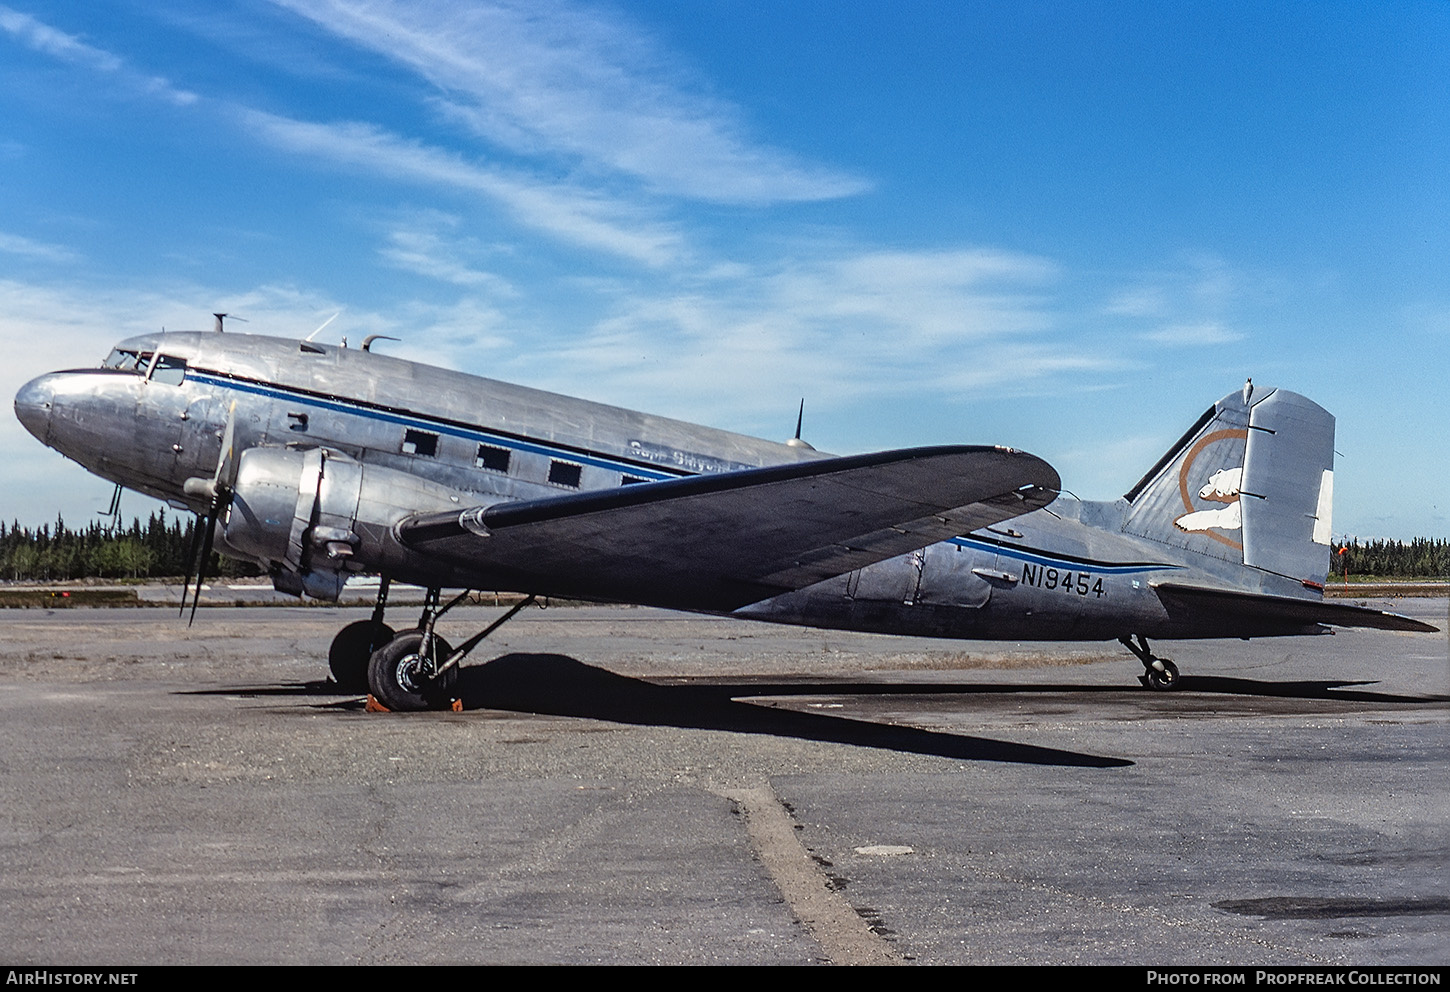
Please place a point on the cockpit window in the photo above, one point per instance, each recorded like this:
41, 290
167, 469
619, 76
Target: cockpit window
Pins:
126, 360
120, 359
169, 370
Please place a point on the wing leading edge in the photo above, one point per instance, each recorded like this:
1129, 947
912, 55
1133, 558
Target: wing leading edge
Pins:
723, 540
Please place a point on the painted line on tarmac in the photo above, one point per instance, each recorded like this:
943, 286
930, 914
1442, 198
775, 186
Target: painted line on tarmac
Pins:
842, 934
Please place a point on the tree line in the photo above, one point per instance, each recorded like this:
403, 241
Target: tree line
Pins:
1421, 558
159, 549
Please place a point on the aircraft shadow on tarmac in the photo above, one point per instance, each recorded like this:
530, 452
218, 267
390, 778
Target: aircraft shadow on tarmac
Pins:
563, 686
559, 685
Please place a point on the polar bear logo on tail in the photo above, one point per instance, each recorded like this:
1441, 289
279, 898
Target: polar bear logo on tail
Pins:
1228, 518
1223, 487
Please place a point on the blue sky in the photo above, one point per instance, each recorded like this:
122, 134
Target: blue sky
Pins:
1068, 227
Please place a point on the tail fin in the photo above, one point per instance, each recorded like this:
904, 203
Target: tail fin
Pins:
1252, 482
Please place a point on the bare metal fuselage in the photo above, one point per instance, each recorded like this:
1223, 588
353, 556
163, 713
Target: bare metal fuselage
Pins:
434, 440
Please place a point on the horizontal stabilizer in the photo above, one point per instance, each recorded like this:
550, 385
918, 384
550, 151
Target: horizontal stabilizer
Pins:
1258, 608
721, 540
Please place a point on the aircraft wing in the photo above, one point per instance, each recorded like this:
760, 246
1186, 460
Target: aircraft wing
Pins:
722, 540
1257, 608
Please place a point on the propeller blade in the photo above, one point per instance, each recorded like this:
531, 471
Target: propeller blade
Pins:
226, 465
201, 562
220, 489
191, 564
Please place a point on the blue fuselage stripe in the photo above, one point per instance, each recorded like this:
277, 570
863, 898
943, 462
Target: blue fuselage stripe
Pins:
1067, 564
435, 425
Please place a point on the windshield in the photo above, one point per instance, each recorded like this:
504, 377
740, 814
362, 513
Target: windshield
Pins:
127, 360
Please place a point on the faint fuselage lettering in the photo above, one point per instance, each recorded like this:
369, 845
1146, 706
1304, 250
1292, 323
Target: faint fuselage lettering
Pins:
690, 461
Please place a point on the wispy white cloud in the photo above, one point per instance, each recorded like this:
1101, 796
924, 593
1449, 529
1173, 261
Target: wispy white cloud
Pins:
423, 253
15, 244
427, 244
854, 328
1141, 301
462, 334
566, 213
1192, 304
41, 37
548, 78
1204, 333
922, 297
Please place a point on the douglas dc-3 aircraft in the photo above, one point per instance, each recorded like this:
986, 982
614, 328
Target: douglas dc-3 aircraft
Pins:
319, 462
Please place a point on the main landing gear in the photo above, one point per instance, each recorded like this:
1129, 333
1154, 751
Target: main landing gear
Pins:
404, 673
1158, 673
412, 670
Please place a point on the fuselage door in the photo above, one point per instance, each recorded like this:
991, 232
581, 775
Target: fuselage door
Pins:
202, 425
894, 580
952, 575
162, 416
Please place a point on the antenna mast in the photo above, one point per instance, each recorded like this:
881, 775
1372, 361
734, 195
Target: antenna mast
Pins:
800, 416
220, 317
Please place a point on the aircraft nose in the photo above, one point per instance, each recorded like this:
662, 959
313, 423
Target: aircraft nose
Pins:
33, 403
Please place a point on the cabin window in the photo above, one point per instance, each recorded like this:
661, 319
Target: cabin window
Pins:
492, 458
565, 473
420, 443
169, 369
631, 480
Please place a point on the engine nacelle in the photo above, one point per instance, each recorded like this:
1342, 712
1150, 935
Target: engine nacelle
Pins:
311, 516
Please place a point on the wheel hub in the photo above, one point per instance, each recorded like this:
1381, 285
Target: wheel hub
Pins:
412, 672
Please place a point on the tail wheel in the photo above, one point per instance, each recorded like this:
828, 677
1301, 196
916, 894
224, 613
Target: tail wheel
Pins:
351, 651
397, 674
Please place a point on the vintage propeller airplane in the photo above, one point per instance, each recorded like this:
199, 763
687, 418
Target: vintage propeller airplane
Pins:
320, 462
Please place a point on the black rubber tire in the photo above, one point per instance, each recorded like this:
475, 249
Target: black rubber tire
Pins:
352, 650
391, 668
1165, 680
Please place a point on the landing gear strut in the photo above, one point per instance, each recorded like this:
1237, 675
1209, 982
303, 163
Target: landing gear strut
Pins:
1158, 673
417, 669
